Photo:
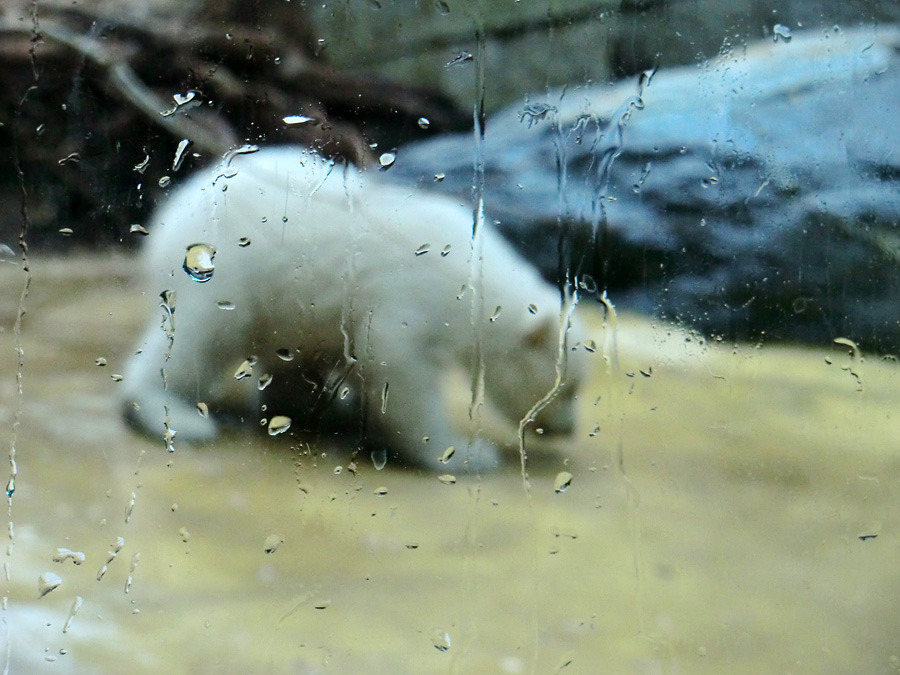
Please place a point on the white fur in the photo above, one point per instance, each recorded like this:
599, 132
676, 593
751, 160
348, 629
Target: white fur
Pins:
332, 275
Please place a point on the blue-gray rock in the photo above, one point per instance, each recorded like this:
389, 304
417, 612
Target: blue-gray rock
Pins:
753, 196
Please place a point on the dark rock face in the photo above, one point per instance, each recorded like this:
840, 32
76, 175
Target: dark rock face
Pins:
755, 195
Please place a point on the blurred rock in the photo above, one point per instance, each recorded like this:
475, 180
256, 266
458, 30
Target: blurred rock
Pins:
754, 196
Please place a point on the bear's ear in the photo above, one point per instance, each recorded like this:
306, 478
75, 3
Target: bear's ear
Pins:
541, 336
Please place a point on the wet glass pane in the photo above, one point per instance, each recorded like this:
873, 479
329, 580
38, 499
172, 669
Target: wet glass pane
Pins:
449, 336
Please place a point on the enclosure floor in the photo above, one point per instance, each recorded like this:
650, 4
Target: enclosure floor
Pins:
736, 511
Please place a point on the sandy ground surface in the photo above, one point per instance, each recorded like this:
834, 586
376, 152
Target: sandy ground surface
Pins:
734, 512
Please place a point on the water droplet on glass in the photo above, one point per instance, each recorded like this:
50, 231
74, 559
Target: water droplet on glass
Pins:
386, 160
447, 479
438, 177
855, 352
448, 454
495, 315
142, 166
380, 491
264, 381
244, 371
47, 582
292, 120
562, 482
273, 541
226, 305
198, 262
167, 300
63, 554
72, 158
284, 354
100, 362
423, 249
590, 346
279, 424
165, 181
384, 397
66, 231
130, 507
462, 57
76, 605
532, 309
203, 409
379, 458
445, 251
116, 377
782, 31
424, 123
244, 242
442, 7
180, 151
137, 228
440, 639
184, 99
345, 392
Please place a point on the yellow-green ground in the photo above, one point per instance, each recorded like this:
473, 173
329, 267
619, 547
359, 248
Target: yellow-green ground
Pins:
713, 524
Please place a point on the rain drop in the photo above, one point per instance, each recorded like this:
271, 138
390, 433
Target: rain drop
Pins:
226, 305
47, 582
495, 315
442, 7
782, 31
384, 397
203, 409
532, 309
462, 57
379, 458
440, 639
423, 249
63, 554
273, 541
264, 381
386, 160
66, 231
562, 482
180, 151
137, 228
198, 262
130, 508
284, 354
165, 181
448, 454
447, 479
76, 605
424, 123
244, 371
292, 120
244, 242
380, 491
279, 424
445, 251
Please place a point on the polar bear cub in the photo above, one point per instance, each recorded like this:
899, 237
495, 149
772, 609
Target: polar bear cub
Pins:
282, 267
